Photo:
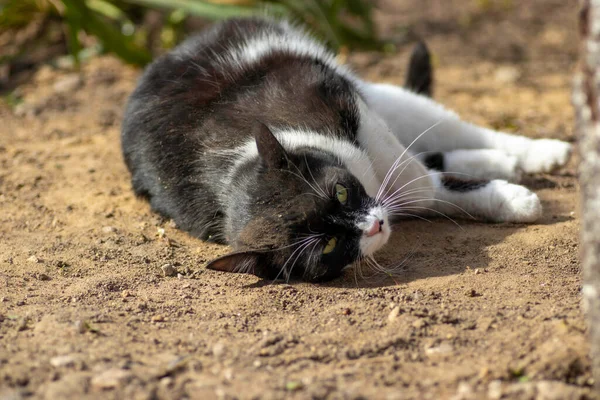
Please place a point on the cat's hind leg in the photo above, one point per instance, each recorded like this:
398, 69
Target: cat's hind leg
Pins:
428, 126
476, 164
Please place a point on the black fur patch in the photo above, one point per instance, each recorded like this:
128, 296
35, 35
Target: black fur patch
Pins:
462, 185
434, 161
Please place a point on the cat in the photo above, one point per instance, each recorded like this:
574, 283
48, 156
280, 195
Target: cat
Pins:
251, 134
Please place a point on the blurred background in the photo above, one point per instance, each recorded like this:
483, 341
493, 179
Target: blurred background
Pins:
68, 32
34, 31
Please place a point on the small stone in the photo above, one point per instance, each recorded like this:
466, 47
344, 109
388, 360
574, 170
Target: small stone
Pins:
393, 315
109, 229
68, 84
168, 270
158, 318
218, 349
477, 271
495, 390
23, 324
33, 259
507, 74
179, 276
464, 392
126, 293
419, 324
442, 349
63, 361
167, 381
111, 379
42, 277
346, 311
80, 326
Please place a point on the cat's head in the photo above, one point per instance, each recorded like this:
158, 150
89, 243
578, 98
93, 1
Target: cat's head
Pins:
301, 214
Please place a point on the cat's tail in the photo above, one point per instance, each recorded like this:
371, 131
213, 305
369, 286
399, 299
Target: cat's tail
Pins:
419, 78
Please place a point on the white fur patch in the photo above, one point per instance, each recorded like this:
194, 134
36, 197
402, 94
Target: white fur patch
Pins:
482, 164
294, 41
354, 159
543, 155
498, 201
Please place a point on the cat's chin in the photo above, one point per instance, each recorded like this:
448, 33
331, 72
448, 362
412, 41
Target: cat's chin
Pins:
369, 245
376, 231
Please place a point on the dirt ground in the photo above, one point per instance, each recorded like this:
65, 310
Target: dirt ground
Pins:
480, 311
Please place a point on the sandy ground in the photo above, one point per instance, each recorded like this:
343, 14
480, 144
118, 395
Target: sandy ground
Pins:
477, 311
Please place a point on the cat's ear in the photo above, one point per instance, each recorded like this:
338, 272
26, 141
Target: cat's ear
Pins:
245, 262
269, 149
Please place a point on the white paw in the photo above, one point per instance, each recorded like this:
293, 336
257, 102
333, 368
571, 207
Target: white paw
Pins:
513, 203
545, 155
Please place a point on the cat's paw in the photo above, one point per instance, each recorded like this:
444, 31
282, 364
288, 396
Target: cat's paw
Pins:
514, 203
545, 155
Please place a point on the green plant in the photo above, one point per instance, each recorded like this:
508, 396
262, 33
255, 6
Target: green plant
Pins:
119, 29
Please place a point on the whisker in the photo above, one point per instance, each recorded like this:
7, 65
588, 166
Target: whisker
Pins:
430, 199
408, 161
387, 177
412, 181
434, 211
313, 178
307, 182
282, 270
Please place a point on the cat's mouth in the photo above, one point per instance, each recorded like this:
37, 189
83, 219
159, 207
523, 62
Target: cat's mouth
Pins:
376, 231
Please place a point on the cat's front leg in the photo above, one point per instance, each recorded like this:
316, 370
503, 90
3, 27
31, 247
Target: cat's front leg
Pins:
496, 200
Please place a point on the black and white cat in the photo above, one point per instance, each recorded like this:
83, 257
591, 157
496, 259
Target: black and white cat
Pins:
251, 134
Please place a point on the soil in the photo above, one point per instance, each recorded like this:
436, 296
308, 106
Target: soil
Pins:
87, 309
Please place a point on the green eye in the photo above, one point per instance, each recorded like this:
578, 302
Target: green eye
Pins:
341, 193
330, 246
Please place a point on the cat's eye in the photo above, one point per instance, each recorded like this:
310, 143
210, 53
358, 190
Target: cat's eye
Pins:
341, 193
330, 246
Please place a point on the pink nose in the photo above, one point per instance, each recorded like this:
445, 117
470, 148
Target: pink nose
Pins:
375, 229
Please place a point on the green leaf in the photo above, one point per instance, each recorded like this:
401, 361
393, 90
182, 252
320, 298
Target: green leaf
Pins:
112, 39
201, 8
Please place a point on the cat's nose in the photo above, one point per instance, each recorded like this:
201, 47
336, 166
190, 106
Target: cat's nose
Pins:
375, 228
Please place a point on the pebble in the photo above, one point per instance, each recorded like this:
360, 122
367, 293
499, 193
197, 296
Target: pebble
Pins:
109, 229
68, 84
393, 315
420, 323
442, 349
218, 349
495, 390
168, 270
158, 318
507, 74
464, 392
42, 277
111, 379
33, 259
80, 326
63, 361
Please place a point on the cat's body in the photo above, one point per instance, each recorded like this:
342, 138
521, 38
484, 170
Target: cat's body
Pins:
250, 134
